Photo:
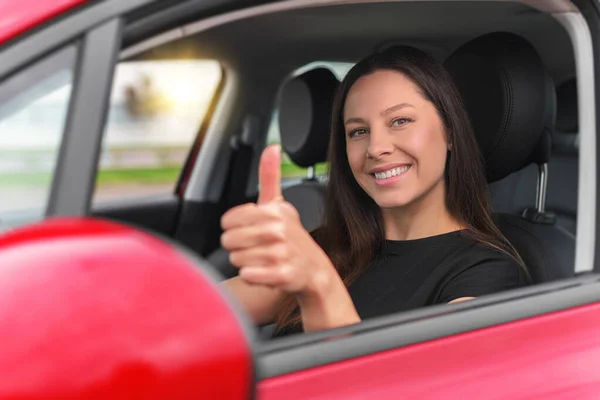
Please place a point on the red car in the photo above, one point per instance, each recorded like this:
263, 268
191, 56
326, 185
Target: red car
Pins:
127, 128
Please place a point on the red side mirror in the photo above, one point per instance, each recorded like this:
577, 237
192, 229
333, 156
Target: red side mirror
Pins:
95, 310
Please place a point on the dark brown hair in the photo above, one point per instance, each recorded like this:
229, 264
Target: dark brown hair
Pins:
352, 232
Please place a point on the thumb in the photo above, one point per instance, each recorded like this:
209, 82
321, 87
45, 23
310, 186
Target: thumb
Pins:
269, 175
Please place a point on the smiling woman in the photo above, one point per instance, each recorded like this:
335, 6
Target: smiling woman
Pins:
375, 128
407, 219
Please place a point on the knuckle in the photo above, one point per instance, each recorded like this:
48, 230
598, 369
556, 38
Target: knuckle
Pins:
226, 221
281, 252
271, 232
289, 209
273, 211
234, 258
285, 274
230, 217
271, 258
246, 207
278, 231
276, 254
226, 240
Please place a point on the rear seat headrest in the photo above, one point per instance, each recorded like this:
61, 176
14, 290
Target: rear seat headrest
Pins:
566, 97
304, 116
509, 96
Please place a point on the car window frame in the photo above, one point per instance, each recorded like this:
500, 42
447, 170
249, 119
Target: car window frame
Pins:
103, 25
76, 169
65, 58
507, 306
299, 352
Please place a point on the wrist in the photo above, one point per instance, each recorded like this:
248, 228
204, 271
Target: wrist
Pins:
327, 304
322, 281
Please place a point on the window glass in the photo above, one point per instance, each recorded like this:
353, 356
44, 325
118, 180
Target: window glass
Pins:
34, 106
290, 172
156, 110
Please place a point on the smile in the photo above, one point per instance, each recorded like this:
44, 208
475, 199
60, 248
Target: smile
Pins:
390, 173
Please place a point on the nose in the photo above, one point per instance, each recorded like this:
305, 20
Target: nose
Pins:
380, 143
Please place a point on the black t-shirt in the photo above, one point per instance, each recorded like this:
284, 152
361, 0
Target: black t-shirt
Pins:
416, 273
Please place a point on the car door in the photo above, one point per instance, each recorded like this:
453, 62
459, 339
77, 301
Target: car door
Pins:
519, 349
536, 342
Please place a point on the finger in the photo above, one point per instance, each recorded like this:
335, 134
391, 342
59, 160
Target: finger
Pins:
252, 235
247, 214
268, 255
274, 277
269, 175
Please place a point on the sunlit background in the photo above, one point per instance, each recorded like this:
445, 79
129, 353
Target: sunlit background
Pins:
156, 110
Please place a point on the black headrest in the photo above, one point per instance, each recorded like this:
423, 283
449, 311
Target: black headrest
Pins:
304, 116
566, 97
510, 98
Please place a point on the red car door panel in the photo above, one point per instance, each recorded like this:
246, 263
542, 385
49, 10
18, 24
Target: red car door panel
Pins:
554, 356
20, 16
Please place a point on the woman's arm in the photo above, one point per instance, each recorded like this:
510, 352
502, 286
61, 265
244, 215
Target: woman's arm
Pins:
460, 300
259, 302
269, 244
326, 304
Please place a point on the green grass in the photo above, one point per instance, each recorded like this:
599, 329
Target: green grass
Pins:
289, 170
138, 175
106, 177
161, 175
35, 179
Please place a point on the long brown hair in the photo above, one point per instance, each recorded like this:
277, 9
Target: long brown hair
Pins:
352, 232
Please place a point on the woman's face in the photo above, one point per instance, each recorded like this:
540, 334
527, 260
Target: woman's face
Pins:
395, 139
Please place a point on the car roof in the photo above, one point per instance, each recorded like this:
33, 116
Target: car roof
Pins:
342, 33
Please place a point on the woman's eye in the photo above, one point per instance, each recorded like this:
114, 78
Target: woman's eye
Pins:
400, 121
357, 132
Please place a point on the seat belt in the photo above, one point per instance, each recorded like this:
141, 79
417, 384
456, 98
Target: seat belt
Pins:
240, 162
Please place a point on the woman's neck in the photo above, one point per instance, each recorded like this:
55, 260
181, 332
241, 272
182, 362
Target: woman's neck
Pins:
424, 217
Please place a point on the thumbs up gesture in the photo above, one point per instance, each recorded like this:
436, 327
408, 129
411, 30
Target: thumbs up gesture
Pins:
267, 241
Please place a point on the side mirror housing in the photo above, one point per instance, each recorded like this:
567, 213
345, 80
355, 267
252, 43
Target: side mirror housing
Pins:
92, 309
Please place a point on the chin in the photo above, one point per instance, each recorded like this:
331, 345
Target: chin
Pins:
393, 201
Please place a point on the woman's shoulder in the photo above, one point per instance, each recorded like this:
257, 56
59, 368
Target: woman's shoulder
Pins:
477, 251
477, 269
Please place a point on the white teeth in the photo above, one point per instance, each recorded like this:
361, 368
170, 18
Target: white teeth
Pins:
391, 172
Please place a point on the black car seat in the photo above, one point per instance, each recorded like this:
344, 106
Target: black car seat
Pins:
305, 107
511, 101
564, 166
517, 191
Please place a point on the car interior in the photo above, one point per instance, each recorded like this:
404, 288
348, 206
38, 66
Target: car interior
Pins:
514, 66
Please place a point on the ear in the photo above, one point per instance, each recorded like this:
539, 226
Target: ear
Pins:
449, 146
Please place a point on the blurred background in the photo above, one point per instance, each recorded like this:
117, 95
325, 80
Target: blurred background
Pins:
156, 110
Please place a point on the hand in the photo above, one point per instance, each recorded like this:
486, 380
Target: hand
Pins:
268, 242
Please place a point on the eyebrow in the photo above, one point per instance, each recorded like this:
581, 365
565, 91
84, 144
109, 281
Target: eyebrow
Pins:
396, 108
354, 121
384, 113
